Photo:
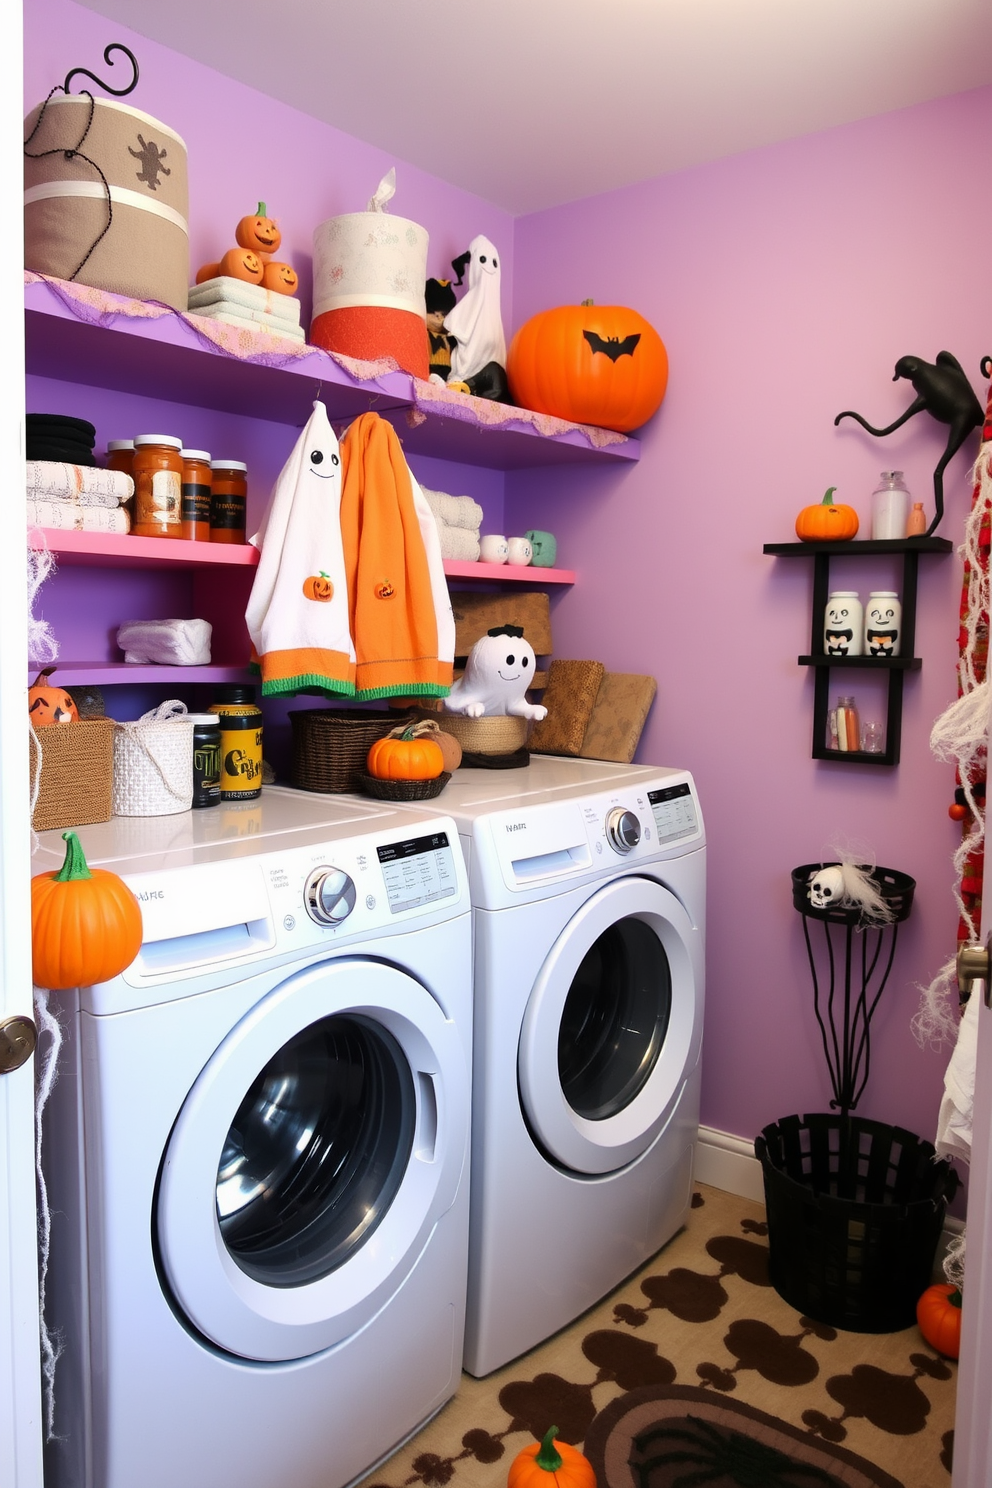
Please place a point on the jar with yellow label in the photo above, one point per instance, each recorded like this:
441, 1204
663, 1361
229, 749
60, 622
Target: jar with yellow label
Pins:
158, 479
196, 495
228, 501
240, 720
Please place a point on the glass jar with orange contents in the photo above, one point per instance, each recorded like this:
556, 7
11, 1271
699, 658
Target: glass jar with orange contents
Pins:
158, 478
120, 457
228, 501
196, 489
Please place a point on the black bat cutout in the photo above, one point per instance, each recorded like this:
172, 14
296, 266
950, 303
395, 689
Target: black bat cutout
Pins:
612, 346
942, 390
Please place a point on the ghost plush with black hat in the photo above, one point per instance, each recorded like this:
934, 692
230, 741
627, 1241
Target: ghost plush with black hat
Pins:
498, 671
478, 360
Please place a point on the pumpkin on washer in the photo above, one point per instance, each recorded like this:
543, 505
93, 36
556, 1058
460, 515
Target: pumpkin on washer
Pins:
49, 704
405, 754
85, 923
591, 364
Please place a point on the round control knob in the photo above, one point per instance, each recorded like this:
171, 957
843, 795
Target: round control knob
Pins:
330, 896
623, 830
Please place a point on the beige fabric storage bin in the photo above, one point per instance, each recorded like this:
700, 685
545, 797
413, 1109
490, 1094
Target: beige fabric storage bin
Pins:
145, 250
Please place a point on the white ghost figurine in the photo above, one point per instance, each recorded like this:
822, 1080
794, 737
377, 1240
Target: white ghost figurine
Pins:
498, 672
475, 321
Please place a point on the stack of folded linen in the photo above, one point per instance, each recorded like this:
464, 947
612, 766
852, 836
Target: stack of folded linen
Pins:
459, 520
78, 498
239, 303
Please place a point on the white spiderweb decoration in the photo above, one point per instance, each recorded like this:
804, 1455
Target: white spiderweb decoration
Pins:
46, 1071
42, 645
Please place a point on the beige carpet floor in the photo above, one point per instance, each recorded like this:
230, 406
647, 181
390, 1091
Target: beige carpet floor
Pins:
701, 1313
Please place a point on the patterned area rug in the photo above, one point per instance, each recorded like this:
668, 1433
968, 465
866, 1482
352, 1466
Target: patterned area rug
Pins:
702, 1314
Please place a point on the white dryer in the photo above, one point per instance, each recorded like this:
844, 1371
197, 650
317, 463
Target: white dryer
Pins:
588, 886
257, 1150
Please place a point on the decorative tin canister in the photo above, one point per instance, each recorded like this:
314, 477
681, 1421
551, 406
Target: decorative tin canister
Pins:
106, 199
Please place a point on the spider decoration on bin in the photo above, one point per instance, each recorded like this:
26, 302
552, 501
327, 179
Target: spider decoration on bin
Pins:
943, 390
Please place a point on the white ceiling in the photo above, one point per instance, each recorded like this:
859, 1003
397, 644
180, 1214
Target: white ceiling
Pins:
530, 103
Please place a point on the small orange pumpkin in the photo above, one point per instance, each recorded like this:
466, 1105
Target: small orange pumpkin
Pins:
208, 271
241, 263
551, 1464
48, 704
938, 1313
592, 364
830, 521
85, 923
404, 755
281, 278
319, 587
259, 233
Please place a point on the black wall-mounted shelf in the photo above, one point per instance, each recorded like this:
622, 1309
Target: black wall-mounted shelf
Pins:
909, 549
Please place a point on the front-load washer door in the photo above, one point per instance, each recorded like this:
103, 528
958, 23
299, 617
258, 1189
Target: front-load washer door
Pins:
612, 1028
311, 1159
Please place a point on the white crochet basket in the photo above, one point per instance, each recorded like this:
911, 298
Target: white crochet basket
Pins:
153, 763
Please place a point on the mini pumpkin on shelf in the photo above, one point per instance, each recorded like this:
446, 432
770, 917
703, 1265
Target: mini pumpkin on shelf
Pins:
828, 521
48, 703
85, 923
550, 1462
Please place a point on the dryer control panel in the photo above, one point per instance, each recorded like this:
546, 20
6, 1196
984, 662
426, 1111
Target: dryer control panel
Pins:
541, 846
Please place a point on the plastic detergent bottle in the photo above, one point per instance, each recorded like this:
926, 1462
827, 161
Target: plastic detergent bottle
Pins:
240, 720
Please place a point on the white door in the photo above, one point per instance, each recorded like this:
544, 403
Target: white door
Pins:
973, 1427
20, 1394
311, 1160
613, 1027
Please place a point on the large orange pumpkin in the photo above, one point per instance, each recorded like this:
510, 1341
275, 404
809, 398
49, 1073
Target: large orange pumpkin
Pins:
828, 522
85, 923
591, 364
938, 1313
551, 1464
402, 755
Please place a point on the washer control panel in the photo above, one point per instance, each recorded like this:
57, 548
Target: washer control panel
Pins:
623, 830
329, 895
674, 810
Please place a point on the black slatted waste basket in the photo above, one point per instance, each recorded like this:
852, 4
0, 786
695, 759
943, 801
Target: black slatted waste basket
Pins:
855, 1210
855, 1207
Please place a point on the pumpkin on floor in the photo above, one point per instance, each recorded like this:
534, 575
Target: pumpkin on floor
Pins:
49, 704
938, 1314
85, 923
591, 364
549, 1461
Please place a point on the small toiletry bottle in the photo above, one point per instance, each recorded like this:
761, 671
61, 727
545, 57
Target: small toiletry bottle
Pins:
844, 726
889, 507
916, 522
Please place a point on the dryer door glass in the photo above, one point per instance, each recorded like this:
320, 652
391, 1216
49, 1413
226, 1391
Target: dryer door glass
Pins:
614, 1021
316, 1152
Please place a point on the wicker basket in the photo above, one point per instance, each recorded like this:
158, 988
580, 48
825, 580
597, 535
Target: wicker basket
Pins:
497, 734
77, 767
402, 790
331, 745
153, 764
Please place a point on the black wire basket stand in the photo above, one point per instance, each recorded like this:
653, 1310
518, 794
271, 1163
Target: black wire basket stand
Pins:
850, 964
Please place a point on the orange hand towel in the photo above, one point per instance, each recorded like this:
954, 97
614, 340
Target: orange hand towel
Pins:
400, 618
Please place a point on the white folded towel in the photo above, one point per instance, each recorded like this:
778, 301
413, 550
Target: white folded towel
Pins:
458, 544
168, 642
266, 325
223, 290
86, 485
66, 516
454, 511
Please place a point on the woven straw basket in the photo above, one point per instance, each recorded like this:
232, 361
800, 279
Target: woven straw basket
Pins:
77, 765
331, 745
153, 763
498, 734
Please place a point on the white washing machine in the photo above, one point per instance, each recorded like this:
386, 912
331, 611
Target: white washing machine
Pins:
588, 886
257, 1150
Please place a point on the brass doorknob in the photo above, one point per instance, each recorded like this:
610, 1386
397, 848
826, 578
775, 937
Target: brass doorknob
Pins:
18, 1037
974, 963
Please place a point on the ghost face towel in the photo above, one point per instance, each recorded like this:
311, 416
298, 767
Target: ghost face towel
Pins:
401, 620
297, 614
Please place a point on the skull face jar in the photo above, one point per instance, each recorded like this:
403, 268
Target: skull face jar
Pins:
843, 624
826, 889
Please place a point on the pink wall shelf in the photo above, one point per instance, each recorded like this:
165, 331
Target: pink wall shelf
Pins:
111, 550
104, 673
502, 573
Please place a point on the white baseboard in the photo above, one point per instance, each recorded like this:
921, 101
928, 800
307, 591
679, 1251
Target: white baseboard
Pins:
728, 1162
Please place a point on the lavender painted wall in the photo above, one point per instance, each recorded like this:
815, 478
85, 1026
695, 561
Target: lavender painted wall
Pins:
785, 283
